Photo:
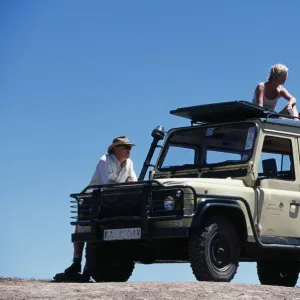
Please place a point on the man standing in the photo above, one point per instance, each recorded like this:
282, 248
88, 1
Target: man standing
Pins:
114, 167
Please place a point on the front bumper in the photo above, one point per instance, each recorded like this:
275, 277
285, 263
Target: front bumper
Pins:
130, 205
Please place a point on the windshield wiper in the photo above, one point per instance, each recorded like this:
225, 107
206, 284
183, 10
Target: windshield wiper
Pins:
222, 163
180, 168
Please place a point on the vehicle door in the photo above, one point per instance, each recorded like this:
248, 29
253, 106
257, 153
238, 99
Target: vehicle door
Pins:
278, 189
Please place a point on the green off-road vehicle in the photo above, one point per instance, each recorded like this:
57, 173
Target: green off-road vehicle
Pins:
225, 189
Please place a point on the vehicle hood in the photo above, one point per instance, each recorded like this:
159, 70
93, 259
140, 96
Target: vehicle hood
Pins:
197, 181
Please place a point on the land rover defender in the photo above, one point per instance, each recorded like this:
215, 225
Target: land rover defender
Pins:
224, 189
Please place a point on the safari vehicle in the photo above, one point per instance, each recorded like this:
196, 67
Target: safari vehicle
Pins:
224, 189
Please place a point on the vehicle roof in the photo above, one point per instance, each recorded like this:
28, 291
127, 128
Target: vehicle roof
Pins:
232, 111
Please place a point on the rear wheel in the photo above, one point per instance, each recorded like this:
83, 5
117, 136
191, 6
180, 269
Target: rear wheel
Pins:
214, 250
278, 273
105, 267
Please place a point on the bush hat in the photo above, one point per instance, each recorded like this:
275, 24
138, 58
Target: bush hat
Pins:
120, 140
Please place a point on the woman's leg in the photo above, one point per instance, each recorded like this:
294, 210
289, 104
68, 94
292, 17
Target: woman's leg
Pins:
295, 111
291, 112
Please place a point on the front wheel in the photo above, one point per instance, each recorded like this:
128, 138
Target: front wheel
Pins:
278, 273
113, 271
214, 250
104, 266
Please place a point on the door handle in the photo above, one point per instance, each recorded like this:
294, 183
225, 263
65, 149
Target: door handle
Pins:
296, 203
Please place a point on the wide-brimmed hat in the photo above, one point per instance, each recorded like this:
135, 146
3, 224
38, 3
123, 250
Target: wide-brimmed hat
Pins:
120, 140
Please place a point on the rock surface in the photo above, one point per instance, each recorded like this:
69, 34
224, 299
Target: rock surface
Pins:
20, 289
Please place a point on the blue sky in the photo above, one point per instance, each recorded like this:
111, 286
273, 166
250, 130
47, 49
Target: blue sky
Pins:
75, 74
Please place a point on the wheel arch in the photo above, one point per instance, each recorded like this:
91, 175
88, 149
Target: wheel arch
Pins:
230, 209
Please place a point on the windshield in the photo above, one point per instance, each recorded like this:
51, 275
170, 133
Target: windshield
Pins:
197, 147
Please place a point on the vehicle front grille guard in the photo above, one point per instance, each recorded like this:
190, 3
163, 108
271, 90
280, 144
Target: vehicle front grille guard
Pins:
139, 202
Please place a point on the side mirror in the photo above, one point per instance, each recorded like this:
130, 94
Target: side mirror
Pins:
270, 168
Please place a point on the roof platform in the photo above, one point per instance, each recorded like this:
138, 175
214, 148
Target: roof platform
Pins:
233, 111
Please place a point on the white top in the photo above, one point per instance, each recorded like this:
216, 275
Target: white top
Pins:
271, 104
109, 170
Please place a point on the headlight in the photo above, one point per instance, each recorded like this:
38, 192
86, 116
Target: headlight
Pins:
80, 201
169, 203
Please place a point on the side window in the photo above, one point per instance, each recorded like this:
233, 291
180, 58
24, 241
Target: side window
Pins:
276, 159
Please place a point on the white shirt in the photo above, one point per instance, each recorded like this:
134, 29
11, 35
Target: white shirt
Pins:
271, 104
109, 170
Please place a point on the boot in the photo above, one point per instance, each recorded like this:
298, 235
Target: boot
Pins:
74, 268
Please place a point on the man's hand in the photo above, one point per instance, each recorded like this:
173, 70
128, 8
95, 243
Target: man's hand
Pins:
129, 179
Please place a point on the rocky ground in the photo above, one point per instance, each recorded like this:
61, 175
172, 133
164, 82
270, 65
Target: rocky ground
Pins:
20, 289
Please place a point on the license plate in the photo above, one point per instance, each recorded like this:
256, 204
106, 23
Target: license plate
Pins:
122, 234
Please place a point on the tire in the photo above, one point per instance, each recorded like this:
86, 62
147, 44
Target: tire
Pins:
214, 250
113, 271
105, 267
278, 273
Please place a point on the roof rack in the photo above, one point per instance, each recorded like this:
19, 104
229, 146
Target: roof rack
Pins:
232, 111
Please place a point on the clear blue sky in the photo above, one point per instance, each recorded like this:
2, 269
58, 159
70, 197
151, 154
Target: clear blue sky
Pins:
75, 74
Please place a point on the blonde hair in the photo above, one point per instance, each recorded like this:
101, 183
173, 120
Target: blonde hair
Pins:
277, 71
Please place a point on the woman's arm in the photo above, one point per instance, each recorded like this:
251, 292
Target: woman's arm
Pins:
286, 95
259, 94
290, 108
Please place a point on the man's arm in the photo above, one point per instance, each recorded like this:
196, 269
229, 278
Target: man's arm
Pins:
131, 172
101, 175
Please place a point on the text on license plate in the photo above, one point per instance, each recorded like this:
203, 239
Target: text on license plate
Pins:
122, 234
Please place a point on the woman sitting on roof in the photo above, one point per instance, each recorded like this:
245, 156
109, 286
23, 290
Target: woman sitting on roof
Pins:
268, 93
